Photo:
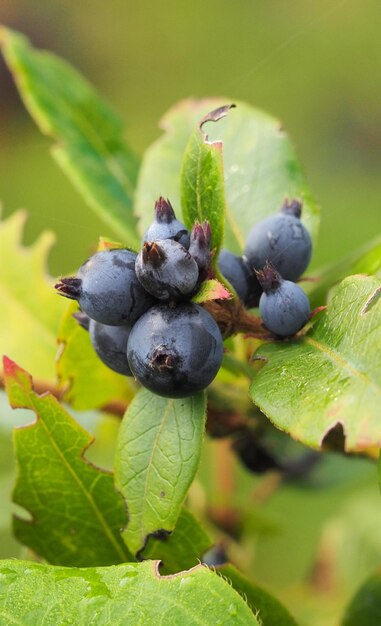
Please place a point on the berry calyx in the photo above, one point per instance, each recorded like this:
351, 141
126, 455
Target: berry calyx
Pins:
200, 248
107, 289
166, 270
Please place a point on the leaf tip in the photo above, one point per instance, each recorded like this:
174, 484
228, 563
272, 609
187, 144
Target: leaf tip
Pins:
211, 289
17, 382
10, 367
215, 116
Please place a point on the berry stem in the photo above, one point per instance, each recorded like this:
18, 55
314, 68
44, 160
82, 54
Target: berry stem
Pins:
233, 318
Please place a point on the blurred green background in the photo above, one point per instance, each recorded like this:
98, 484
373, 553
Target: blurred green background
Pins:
314, 64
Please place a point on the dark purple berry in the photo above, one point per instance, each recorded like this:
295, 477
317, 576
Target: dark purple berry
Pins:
254, 454
284, 307
166, 226
166, 270
110, 344
175, 352
216, 556
282, 240
107, 289
236, 271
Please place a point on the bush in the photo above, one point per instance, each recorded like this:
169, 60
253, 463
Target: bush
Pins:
149, 541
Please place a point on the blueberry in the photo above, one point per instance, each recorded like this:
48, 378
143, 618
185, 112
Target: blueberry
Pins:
284, 307
253, 454
110, 344
237, 272
107, 289
199, 248
216, 556
175, 352
166, 226
282, 240
166, 270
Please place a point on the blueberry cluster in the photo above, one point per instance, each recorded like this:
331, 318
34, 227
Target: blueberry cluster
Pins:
277, 252
138, 312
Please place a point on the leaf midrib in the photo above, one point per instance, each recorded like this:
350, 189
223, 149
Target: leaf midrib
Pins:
106, 529
149, 465
340, 361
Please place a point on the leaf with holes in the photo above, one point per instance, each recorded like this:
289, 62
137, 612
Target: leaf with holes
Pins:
157, 456
260, 167
202, 180
329, 379
76, 514
30, 310
183, 548
132, 593
88, 134
86, 382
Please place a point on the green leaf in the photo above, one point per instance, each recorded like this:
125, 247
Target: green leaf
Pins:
366, 260
365, 607
30, 310
157, 456
329, 377
211, 290
86, 381
183, 548
260, 166
134, 593
76, 514
88, 134
161, 165
202, 181
269, 610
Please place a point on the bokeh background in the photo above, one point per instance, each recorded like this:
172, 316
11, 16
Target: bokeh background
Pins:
314, 64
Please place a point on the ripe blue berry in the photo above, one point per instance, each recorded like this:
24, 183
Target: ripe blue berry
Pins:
166, 269
236, 271
253, 453
107, 289
166, 226
282, 240
110, 344
175, 352
284, 307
